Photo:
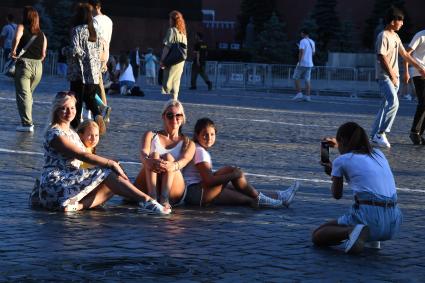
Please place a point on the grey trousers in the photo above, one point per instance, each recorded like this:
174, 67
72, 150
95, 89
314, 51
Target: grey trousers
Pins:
27, 76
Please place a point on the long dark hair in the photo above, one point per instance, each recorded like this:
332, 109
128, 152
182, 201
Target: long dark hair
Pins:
200, 125
353, 138
83, 16
31, 19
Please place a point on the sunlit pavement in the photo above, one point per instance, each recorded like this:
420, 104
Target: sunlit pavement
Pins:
273, 139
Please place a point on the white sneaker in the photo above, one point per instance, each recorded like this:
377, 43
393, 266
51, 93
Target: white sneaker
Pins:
307, 98
287, 196
265, 201
408, 97
356, 239
28, 129
153, 207
381, 140
298, 96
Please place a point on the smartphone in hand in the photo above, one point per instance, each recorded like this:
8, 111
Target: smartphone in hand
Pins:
324, 152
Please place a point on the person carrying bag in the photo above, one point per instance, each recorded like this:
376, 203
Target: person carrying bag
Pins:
10, 66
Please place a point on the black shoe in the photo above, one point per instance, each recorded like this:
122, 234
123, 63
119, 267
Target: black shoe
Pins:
192, 88
415, 138
209, 85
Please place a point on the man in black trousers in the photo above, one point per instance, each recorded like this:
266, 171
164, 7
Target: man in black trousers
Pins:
199, 60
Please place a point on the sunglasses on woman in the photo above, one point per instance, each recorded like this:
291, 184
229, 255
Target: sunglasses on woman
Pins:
170, 116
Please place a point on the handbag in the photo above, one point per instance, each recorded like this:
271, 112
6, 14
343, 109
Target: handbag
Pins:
10, 66
176, 54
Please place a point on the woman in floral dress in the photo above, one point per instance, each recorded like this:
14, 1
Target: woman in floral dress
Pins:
63, 185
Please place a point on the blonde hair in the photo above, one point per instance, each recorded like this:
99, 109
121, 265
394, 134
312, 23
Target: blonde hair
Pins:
174, 103
58, 102
178, 21
85, 125
178, 104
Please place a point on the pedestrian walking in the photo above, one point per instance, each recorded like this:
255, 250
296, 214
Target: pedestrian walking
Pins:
150, 67
7, 34
200, 52
84, 70
103, 25
306, 50
63, 185
135, 62
388, 47
172, 74
62, 60
375, 215
29, 67
125, 75
417, 49
226, 185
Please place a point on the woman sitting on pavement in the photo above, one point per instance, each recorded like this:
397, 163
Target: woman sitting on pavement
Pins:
375, 215
227, 185
163, 154
63, 185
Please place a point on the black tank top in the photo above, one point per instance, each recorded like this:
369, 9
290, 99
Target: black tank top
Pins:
35, 51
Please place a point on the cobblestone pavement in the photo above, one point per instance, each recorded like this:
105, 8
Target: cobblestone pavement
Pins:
272, 138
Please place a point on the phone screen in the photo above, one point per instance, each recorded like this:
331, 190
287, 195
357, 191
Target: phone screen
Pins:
324, 152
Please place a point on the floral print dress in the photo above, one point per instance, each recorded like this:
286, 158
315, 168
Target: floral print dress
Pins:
62, 180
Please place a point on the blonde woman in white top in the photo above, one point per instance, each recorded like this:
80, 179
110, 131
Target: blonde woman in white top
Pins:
163, 154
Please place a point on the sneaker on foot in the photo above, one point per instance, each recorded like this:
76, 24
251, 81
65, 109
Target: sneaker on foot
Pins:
107, 114
152, 206
265, 201
307, 98
298, 96
356, 239
381, 140
101, 124
287, 196
373, 245
415, 138
28, 129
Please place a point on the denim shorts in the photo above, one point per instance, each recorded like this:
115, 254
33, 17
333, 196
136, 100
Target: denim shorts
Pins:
194, 193
302, 73
383, 222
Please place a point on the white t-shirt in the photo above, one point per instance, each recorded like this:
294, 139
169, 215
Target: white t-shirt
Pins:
190, 172
418, 46
127, 75
365, 173
309, 48
8, 32
103, 27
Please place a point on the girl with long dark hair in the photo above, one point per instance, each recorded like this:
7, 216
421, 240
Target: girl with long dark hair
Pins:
375, 215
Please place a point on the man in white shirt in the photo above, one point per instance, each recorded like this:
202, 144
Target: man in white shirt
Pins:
7, 35
416, 49
103, 26
307, 48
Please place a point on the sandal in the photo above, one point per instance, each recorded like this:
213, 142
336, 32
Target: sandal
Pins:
152, 206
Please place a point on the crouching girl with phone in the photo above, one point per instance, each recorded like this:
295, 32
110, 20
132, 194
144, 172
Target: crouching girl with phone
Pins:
375, 215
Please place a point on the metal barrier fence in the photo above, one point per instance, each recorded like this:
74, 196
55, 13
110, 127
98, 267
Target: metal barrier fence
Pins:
262, 76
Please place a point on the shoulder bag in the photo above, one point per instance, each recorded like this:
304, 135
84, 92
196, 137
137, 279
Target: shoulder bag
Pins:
176, 54
10, 66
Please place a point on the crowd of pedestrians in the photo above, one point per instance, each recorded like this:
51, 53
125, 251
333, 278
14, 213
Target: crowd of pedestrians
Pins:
177, 170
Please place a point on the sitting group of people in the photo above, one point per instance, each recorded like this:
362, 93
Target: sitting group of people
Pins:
177, 170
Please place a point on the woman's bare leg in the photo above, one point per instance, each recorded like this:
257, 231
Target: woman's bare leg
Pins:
226, 196
241, 184
172, 184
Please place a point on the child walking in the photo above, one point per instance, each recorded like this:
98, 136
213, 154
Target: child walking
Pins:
227, 185
375, 215
89, 135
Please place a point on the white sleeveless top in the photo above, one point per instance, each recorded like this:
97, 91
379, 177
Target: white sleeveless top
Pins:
156, 146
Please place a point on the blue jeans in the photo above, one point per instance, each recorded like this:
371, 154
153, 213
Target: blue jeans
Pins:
388, 110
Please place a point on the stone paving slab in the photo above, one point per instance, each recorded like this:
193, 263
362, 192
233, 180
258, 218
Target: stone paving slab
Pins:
272, 138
